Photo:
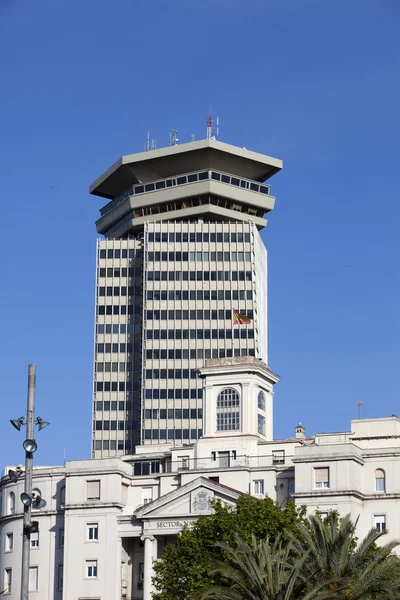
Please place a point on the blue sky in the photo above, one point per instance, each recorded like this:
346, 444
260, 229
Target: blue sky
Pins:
312, 82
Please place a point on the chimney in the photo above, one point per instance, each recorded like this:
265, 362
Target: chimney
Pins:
300, 431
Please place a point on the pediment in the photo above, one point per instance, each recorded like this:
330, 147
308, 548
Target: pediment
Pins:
188, 501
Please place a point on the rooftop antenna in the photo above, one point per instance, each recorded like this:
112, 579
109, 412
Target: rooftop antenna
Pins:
150, 144
173, 140
359, 405
193, 136
212, 126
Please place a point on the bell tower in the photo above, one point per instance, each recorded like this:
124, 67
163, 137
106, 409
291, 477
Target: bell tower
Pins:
238, 397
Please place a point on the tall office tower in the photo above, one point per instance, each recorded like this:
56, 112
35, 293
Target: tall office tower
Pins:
181, 278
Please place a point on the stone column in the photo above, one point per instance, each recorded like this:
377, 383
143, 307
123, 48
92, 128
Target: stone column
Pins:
155, 557
148, 565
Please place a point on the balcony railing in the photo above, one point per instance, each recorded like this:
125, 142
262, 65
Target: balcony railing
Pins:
209, 463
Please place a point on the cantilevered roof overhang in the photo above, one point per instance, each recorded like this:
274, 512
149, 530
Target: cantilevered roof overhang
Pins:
186, 158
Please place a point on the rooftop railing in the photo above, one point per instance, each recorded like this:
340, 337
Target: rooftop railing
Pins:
161, 184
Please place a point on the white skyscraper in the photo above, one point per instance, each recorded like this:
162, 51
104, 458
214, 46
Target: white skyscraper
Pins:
181, 278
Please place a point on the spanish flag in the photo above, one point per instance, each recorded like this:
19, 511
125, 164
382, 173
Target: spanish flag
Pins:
239, 319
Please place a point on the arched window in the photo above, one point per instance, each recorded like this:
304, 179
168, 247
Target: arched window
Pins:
261, 401
11, 503
228, 410
380, 480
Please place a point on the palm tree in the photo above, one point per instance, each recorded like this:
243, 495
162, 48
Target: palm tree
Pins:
260, 571
355, 572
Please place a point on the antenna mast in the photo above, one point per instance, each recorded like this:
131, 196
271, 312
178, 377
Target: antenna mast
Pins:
150, 144
212, 127
173, 140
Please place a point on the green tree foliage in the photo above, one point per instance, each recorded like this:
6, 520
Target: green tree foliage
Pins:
321, 561
259, 570
356, 571
185, 566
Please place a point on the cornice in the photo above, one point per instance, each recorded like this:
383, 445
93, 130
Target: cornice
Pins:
328, 458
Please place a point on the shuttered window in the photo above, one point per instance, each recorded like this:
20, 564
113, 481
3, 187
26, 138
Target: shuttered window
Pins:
93, 490
321, 477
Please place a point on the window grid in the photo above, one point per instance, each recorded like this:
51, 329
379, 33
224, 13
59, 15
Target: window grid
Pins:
35, 539
91, 569
261, 424
380, 522
33, 579
380, 481
259, 487
7, 581
321, 477
228, 410
93, 532
9, 542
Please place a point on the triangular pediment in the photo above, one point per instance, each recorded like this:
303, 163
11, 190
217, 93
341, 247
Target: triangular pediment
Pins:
188, 501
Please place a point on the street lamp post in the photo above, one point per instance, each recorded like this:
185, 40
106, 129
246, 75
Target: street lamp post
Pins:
26, 539
27, 497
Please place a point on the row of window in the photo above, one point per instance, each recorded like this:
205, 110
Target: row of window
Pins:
116, 291
194, 334
321, 479
123, 425
125, 445
198, 237
113, 348
161, 184
34, 539
117, 386
118, 328
199, 353
119, 310
172, 434
107, 405
199, 295
110, 405
173, 413
192, 256
120, 272
172, 237
33, 584
114, 367
110, 425
189, 276
9, 541
170, 374
192, 315
172, 394
120, 253
164, 315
